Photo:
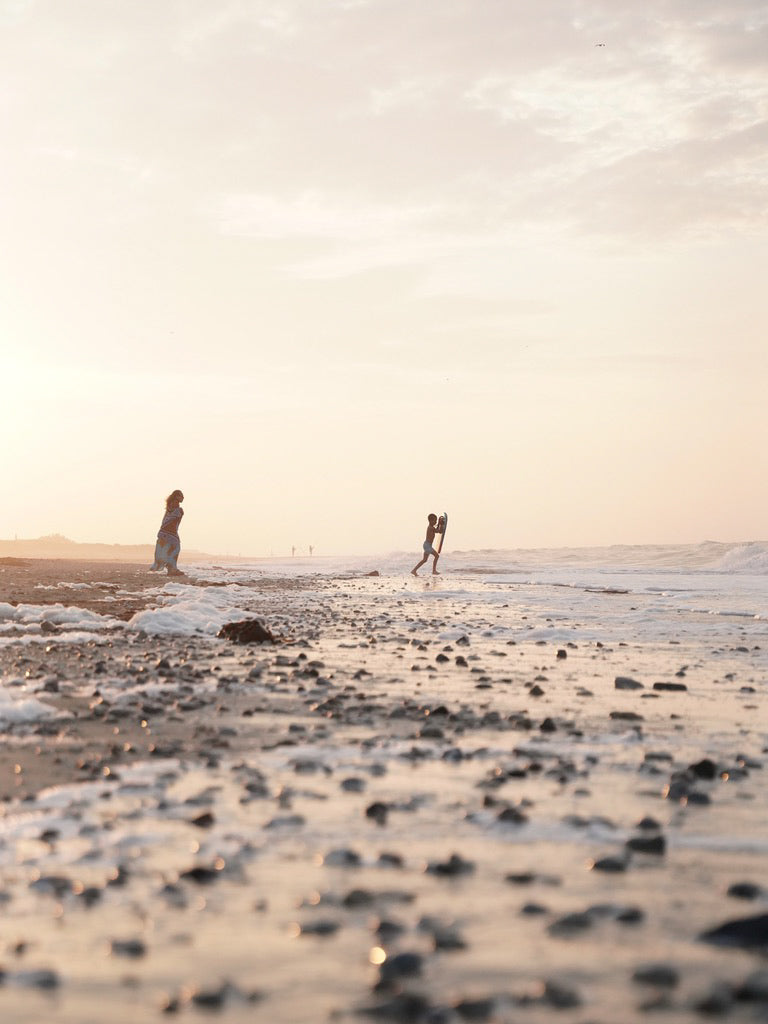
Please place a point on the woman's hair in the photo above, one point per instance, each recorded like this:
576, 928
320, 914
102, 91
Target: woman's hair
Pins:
173, 496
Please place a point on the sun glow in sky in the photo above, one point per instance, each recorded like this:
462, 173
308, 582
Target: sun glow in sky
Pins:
330, 266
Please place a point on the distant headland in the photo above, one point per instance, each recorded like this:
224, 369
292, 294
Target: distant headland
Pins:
55, 545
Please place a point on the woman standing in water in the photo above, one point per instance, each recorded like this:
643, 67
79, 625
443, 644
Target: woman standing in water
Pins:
168, 544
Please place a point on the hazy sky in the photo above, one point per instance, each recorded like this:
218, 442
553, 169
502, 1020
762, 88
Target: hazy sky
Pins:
329, 265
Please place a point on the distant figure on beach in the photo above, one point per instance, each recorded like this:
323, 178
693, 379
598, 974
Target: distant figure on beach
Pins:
293, 550
433, 527
168, 544
311, 549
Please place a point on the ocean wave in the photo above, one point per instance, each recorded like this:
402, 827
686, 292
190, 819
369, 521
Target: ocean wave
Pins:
745, 558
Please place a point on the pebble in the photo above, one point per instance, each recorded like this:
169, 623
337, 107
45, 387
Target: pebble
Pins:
131, 948
754, 988
717, 1001
742, 933
322, 928
406, 1007
561, 995
42, 979
704, 769
611, 865
445, 935
390, 860
744, 891
625, 683
659, 975
512, 816
455, 865
571, 924
656, 845
387, 930
342, 858
395, 968
377, 812
479, 1010
353, 785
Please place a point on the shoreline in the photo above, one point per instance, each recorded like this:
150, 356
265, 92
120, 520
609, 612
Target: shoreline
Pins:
423, 804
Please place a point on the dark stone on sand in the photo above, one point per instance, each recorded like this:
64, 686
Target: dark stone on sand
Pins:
717, 1001
353, 785
54, 885
89, 896
536, 691
200, 874
455, 865
463, 641
204, 820
630, 915
321, 928
358, 898
342, 858
625, 683
679, 786
534, 909
704, 769
625, 716
647, 844
43, 979
754, 988
445, 936
744, 891
741, 933
696, 799
286, 821
611, 865
402, 965
512, 816
674, 687
390, 860
476, 1010
548, 725
119, 877
132, 948
377, 812
659, 975
571, 924
216, 998
249, 631
461, 661
562, 653
560, 995
387, 930
648, 824
520, 878
405, 1008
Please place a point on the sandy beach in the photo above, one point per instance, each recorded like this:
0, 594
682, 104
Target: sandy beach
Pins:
450, 799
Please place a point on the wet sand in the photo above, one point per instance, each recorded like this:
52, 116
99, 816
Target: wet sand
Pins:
414, 807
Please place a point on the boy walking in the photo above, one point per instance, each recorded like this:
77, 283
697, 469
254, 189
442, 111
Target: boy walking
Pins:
433, 526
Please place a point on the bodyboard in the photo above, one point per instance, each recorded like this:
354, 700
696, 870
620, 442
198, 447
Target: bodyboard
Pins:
444, 518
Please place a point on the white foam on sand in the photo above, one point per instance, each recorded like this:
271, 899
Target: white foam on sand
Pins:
15, 710
25, 623
188, 610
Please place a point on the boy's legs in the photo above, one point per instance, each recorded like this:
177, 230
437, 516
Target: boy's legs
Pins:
434, 566
419, 565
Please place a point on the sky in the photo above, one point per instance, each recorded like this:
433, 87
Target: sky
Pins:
330, 265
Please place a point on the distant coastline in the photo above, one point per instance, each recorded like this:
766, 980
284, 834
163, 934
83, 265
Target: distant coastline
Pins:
57, 546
